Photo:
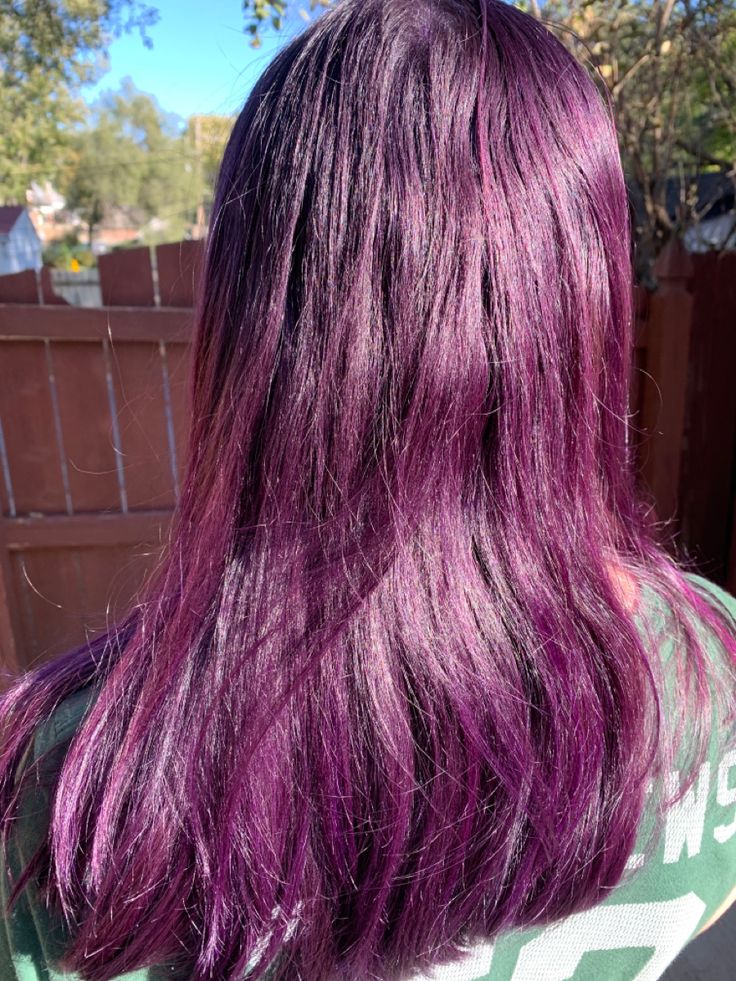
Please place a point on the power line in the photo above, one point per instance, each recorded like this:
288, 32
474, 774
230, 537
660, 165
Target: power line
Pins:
110, 165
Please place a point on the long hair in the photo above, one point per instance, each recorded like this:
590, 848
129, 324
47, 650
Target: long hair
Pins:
386, 693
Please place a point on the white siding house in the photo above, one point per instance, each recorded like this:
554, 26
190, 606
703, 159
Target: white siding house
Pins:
20, 246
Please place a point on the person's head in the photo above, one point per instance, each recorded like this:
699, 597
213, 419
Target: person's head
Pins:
384, 695
418, 284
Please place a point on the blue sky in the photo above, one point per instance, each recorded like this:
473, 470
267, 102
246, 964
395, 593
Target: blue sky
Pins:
201, 61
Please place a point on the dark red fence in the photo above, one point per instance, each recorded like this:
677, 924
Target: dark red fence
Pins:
93, 429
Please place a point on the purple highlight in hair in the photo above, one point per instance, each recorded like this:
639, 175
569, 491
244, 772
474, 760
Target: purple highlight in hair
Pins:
385, 695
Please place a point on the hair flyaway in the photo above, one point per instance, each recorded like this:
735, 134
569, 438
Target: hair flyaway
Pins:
384, 695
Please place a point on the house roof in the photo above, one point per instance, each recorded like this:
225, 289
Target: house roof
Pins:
714, 195
9, 214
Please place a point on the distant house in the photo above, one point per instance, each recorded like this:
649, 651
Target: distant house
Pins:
20, 246
717, 205
713, 197
45, 205
120, 226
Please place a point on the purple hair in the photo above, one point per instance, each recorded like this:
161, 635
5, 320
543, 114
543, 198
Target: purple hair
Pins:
385, 694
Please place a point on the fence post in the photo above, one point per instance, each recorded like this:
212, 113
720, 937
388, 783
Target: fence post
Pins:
9, 655
663, 409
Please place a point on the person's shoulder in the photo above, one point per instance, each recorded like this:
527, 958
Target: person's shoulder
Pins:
717, 634
716, 595
60, 726
654, 610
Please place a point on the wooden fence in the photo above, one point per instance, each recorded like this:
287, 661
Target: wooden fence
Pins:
707, 488
93, 427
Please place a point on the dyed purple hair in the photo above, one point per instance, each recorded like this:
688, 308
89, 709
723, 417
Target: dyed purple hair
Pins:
385, 695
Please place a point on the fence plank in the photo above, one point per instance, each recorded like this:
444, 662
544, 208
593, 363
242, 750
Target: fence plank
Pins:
114, 578
126, 278
74, 595
87, 425
19, 287
71, 575
69, 531
51, 602
708, 472
179, 265
142, 422
178, 359
10, 623
50, 296
665, 385
29, 429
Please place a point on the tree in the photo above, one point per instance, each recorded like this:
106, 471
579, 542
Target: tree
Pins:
207, 136
48, 49
101, 174
669, 68
131, 155
261, 13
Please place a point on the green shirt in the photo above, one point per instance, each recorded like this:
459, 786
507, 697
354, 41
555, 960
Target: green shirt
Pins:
631, 936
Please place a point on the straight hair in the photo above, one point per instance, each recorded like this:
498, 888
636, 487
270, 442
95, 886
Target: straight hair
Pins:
386, 693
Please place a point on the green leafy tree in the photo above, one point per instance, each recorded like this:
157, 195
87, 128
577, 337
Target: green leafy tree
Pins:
207, 137
274, 13
48, 49
103, 173
669, 67
131, 155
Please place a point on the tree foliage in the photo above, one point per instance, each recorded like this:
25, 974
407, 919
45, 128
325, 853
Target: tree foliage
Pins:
207, 137
669, 67
135, 157
48, 49
274, 13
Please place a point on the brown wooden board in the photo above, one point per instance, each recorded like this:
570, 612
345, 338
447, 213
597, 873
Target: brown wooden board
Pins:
47, 288
86, 421
75, 530
92, 324
178, 361
179, 267
49, 593
668, 329
27, 412
113, 578
69, 577
708, 477
142, 423
10, 623
5, 491
126, 278
19, 287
